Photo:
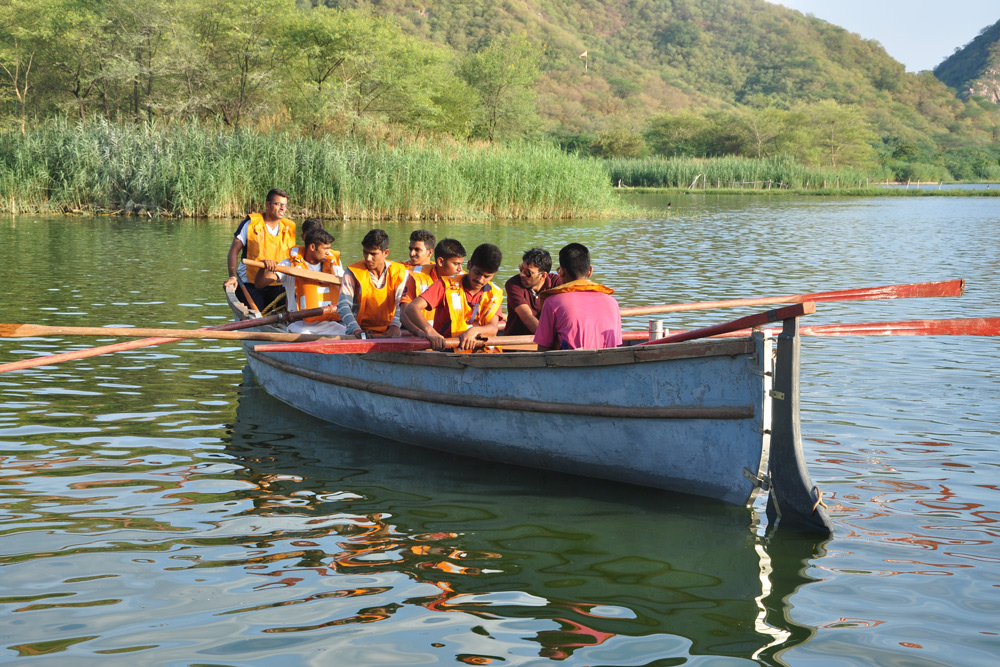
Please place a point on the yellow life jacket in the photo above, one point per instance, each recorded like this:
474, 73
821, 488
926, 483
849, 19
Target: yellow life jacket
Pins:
462, 314
261, 245
376, 306
314, 294
424, 276
581, 285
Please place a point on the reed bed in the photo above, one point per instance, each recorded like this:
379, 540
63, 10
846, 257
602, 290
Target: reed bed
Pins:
732, 173
195, 171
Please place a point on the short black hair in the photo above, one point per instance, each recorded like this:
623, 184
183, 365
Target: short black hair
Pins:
448, 248
424, 236
275, 192
575, 260
376, 238
486, 257
539, 257
319, 236
310, 223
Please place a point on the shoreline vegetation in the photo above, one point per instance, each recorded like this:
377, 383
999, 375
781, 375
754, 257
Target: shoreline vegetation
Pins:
189, 170
192, 170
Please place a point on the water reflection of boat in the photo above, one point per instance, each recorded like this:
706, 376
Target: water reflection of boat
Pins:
575, 565
714, 418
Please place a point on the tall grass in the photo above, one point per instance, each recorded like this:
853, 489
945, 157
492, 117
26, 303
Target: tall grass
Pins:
191, 170
732, 173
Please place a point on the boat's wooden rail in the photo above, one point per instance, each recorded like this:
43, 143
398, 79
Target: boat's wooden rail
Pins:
571, 358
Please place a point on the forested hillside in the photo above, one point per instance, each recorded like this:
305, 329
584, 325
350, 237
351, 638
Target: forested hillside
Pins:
974, 70
689, 78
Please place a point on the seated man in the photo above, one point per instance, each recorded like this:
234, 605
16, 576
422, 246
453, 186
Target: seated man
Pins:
302, 293
467, 306
307, 225
372, 288
579, 314
421, 249
265, 238
523, 305
449, 257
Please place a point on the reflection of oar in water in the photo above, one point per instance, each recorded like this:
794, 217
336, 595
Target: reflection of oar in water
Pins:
164, 336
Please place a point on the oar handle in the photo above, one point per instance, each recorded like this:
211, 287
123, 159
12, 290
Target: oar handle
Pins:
318, 276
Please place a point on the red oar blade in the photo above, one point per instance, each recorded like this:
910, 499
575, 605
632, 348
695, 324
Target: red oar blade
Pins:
974, 326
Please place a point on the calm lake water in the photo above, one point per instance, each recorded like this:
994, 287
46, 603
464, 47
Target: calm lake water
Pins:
158, 508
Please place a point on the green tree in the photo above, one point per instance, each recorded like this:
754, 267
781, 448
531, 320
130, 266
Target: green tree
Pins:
27, 27
618, 143
503, 75
835, 134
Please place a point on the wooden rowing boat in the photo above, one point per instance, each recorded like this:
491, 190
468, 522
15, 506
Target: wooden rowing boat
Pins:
714, 418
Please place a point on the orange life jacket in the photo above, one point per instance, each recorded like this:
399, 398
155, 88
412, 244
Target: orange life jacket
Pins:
314, 294
376, 306
581, 285
261, 245
423, 276
463, 316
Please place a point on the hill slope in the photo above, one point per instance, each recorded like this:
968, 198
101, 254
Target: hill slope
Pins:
653, 56
975, 68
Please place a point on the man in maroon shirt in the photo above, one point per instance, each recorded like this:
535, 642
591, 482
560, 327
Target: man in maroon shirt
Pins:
523, 306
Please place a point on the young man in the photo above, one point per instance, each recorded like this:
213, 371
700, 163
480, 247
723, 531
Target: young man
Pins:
421, 249
579, 314
467, 306
308, 225
523, 304
302, 293
265, 238
449, 256
372, 289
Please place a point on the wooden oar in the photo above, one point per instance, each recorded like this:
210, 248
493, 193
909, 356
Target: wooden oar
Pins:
786, 313
36, 330
50, 359
318, 276
972, 326
907, 291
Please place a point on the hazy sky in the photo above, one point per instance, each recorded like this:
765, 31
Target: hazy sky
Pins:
918, 33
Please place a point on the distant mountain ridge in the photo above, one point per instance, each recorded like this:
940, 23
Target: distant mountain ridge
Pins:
974, 70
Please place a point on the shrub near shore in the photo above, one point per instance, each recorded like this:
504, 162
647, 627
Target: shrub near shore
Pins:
195, 171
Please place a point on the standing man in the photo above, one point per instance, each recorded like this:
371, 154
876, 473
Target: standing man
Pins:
266, 238
579, 314
302, 293
523, 304
371, 290
467, 306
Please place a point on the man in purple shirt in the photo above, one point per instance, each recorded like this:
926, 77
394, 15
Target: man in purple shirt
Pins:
523, 305
579, 314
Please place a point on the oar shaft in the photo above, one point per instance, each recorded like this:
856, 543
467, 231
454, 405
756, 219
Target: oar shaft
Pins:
786, 313
318, 276
907, 291
35, 330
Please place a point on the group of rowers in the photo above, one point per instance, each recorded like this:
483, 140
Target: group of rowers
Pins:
429, 295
